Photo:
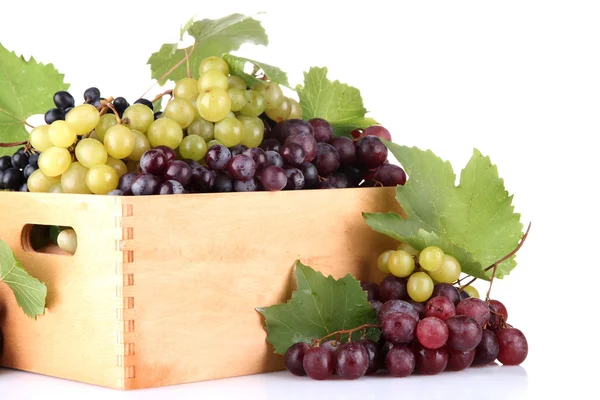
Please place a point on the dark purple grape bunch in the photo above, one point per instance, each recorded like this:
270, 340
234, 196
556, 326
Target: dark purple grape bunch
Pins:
16, 169
64, 102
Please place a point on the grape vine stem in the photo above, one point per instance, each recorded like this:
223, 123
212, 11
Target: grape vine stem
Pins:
13, 144
339, 333
171, 70
166, 92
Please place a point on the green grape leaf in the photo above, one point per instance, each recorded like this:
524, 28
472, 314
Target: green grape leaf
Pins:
29, 292
337, 102
475, 221
157, 105
273, 74
319, 306
212, 38
26, 88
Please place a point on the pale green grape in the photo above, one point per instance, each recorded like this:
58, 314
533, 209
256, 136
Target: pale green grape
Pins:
295, 110
83, 118
40, 183
255, 104
54, 161
193, 147
140, 146
165, 132
62, 134
73, 180
238, 98
382, 261
214, 63
138, 117
119, 141
282, 113
181, 111
56, 188
203, 128
229, 132
67, 240
186, 88
102, 179
431, 258
90, 152
118, 165
39, 138
236, 82
419, 287
254, 131
471, 291
213, 104
212, 143
408, 248
212, 79
401, 264
93, 135
272, 93
449, 272
106, 122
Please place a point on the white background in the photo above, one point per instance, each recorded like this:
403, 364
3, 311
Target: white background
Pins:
518, 80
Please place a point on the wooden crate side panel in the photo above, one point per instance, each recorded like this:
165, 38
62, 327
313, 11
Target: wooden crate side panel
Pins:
77, 338
202, 264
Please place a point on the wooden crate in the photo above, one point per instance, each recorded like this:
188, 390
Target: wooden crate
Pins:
163, 289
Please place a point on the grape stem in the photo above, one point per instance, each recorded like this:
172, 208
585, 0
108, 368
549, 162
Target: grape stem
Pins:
494, 266
13, 144
171, 70
166, 92
104, 105
349, 332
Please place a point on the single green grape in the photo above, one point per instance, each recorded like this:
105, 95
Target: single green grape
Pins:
295, 110
236, 82
73, 180
255, 104
54, 161
431, 258
118, 165
229, 132
419, 287
138, 117
83, 118
213, 104
281, 113
106, 122
449, 272
272, 93
40, 183
214, 63
119, 141
203, 128
39, 139
382, 261
186, 88
181, 111
212, 78
102, 179
401, 264
238, 98
254, 131
193, 147
90, 152
471, 291
140, 146
408, 248
67, 240
62, 134
56, 188
165, 132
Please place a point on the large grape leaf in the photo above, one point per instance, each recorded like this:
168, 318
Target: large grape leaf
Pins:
337, 102
212, 38
238, 64
29, 292
26, 88
474, 221
319, 306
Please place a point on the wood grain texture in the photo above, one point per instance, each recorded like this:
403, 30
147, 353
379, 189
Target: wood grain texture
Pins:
163, 289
